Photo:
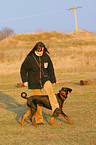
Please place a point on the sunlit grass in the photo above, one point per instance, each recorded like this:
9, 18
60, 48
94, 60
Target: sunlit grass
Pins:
73, 60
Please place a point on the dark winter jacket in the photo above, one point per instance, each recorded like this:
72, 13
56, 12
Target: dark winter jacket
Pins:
31, 72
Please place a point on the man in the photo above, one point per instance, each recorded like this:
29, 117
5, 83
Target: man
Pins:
37, 72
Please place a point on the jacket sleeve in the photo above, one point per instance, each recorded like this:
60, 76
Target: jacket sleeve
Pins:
51, 72
24, 70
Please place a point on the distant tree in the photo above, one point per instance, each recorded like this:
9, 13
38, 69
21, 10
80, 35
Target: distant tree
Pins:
5, 32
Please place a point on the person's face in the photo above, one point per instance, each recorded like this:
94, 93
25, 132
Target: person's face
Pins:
40, 49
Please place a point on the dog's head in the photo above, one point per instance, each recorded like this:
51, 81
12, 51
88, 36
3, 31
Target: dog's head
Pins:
64, 92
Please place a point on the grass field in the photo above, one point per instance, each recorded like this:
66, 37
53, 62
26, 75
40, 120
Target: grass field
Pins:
74, 58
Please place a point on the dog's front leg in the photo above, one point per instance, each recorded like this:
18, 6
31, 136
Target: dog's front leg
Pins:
52, 121
65, 116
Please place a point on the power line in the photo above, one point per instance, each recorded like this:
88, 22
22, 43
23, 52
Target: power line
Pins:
39, 14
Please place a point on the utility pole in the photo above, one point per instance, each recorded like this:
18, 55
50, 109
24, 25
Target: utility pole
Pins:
75, 16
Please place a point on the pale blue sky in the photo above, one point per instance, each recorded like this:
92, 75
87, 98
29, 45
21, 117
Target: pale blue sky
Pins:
25, 16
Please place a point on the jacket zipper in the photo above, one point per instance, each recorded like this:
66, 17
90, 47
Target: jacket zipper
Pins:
40, 71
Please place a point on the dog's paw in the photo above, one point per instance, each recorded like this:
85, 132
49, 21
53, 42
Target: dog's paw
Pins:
71, 122
23, 125
52, 124
35, 125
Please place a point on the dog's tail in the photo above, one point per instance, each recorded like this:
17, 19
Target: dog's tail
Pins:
24, 95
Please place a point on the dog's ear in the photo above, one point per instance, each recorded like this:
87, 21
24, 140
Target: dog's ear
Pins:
70, 90
66, 89
63, 89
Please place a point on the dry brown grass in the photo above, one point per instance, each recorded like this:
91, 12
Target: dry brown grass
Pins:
79, 38
73, 49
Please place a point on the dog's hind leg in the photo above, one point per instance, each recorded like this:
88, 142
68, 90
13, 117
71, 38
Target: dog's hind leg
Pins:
33, 113
52, 121
32, 119
26, 115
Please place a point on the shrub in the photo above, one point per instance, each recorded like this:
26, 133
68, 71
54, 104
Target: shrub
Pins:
5, 32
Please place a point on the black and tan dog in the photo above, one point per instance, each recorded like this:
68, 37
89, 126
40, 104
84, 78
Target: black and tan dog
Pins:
43, 100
